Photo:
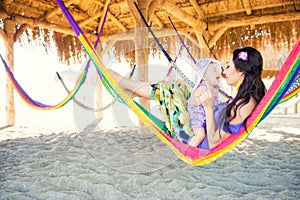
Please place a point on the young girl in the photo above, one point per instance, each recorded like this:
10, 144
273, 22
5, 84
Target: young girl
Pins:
208, 73
183, 116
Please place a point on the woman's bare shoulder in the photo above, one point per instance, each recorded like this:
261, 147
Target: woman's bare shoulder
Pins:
244, 111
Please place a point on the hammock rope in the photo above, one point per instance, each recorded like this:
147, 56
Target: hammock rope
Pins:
192, 57
192, 155
181, 74
115, 98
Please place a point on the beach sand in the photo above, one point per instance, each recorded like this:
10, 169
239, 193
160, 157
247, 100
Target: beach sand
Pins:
46, 158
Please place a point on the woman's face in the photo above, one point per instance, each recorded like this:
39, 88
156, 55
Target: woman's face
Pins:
212, 75
231, 74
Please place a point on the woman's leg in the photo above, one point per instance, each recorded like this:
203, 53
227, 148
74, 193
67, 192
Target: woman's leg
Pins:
139, 88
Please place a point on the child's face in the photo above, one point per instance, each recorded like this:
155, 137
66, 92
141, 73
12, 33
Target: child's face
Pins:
212, 75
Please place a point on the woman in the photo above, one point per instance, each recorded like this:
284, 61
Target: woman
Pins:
243, 72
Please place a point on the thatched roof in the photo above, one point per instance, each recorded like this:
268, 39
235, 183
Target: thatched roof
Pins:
220, 25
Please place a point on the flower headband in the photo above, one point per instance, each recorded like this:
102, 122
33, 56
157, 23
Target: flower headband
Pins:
243, 55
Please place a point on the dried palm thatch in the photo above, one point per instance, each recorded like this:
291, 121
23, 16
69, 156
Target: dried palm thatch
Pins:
224, 25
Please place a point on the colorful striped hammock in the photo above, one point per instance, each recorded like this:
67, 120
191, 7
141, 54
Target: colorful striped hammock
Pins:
192, 155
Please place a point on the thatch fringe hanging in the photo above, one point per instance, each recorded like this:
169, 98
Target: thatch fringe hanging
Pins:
124, 49
68, 49
273, 40
280, 36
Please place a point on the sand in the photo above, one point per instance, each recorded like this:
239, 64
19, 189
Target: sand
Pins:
47, 155
41, 160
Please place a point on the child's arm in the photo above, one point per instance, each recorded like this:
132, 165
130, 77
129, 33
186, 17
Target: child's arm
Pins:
198, 137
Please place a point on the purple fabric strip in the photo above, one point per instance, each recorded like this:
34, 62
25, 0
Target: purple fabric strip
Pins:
71, 20
180, 38
97, 40
36, 103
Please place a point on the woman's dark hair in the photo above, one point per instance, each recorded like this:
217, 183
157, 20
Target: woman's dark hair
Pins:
249, 61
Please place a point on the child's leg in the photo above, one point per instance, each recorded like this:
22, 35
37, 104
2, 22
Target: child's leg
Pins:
172, 97
139, 88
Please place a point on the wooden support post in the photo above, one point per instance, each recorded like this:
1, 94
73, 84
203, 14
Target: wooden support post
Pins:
141, 51
9, 28
99, 94
295, 106
141, 57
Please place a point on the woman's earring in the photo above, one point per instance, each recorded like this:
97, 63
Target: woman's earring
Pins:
237, 87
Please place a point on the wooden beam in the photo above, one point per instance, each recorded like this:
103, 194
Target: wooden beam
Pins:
130, 35
157, 31
216, 36
134, 12
215, 4
29, 10
58, 10
247, 7
297, 4
174, 10
158, 21
83, 23
153, 6
3, 34
112, 17
253, 20
198, 25
116, 21
202, 42
90, 19
198, 9
47, 25
20, 31
5, 2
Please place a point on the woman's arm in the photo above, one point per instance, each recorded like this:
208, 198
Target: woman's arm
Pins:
242, 113
212, 133
215, 136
